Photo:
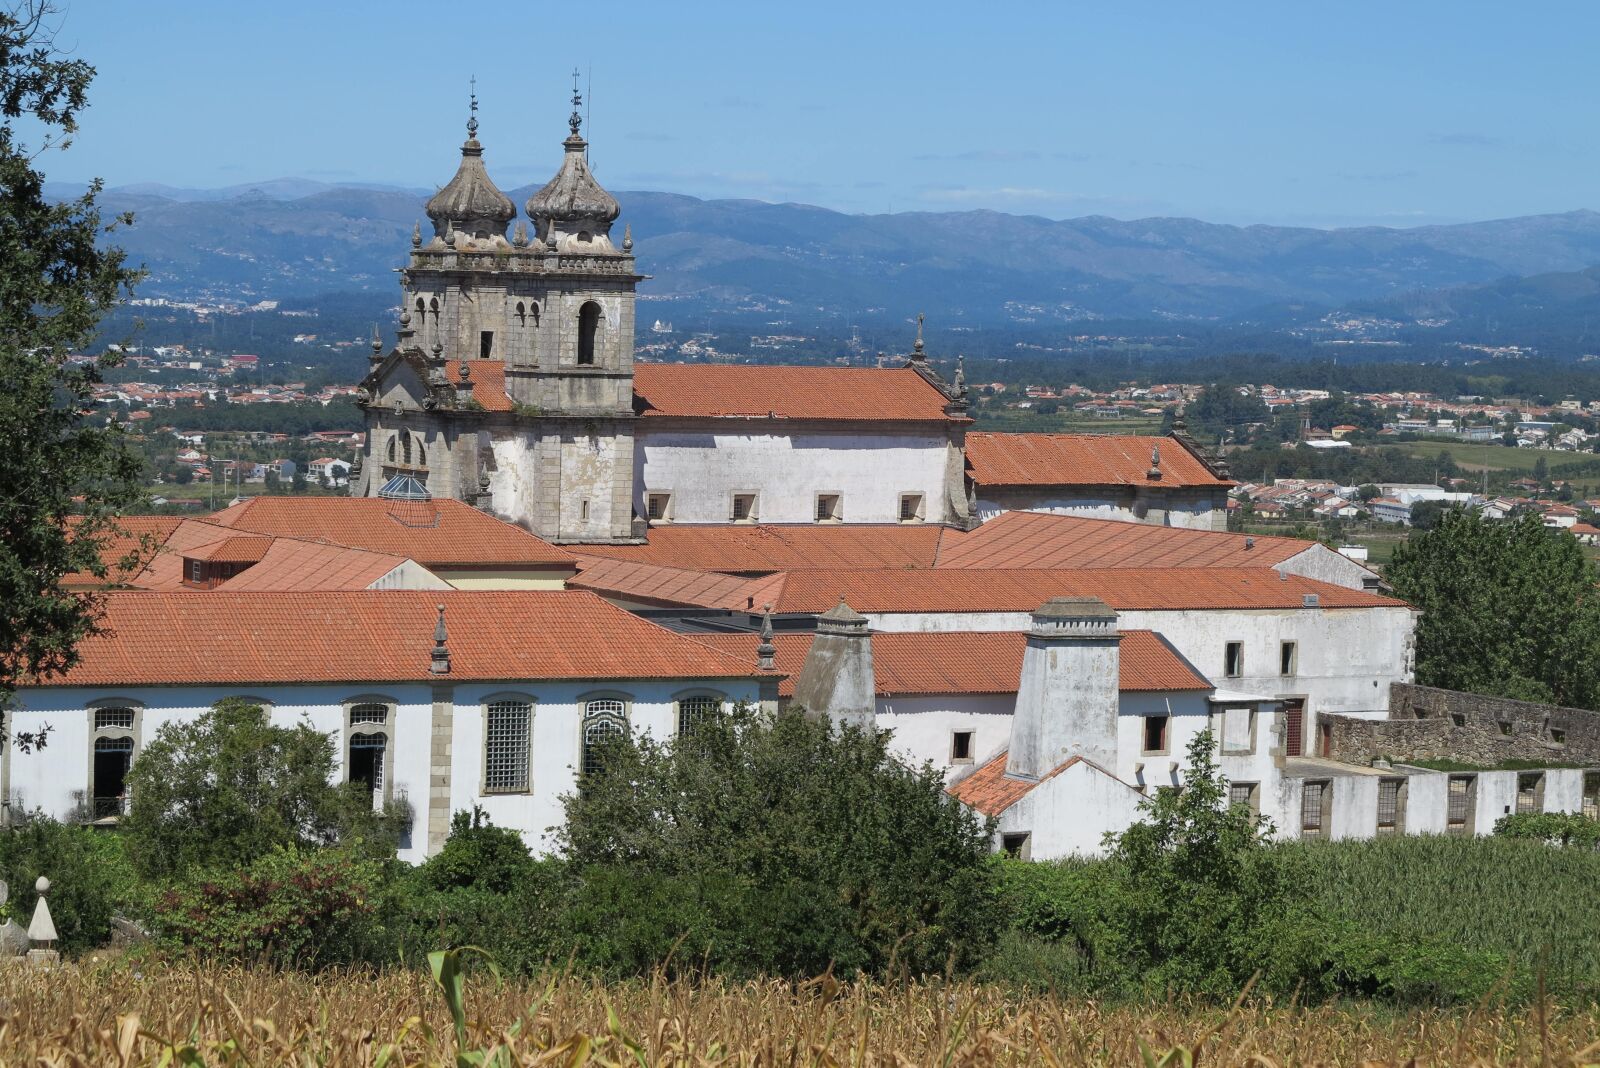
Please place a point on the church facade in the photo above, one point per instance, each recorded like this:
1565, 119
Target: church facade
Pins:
513, 387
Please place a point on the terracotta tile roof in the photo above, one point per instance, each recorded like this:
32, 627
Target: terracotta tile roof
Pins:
988, 791
131, 534
742, 391
655, 584
1081, 460
989, 662
488, 383
1034, 539
291, 564
380, 636
239, 549
454, 535
778, 547
1004, 590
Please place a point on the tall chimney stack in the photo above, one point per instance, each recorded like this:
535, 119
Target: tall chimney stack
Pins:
1068, 693
836, 680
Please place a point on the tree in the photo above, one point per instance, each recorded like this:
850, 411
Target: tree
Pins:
1425, 514
64, 477
1509, 608
230, 787
1541, 471
775, 845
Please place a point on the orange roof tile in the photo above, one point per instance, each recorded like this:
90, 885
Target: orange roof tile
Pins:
131, 534
182, 638
292, 564
454, 535
1005, 590
243, 549
488, 382
777, 547
744, 391
655, 584
1034, 539
914, 662
990, 792
1081, 460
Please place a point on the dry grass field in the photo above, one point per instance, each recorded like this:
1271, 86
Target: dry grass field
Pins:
114, 1014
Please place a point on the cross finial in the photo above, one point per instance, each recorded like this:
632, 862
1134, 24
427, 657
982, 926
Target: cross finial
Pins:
472, 119
577, 105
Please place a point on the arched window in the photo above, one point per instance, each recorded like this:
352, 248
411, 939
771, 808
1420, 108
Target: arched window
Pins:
695, 710
588, 327
422, 309
405, 447
433, 306
115, 727
603, 720
393, 446
422, 451
522, 313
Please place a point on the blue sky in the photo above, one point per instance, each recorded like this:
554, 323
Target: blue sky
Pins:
1395, 113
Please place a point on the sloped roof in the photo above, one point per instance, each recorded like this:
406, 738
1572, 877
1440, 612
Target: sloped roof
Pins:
141, 534
744, 391
454, 535
916, 662
237, 549
488, 382
990, 792
1008, 590
181, 638
1035, 539
655, 584
292, 564
766, 548
995, 459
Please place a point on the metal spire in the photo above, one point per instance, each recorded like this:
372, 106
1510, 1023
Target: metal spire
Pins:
577, 104
472, 120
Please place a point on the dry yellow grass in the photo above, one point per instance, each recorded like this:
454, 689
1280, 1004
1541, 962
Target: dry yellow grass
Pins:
111, 1014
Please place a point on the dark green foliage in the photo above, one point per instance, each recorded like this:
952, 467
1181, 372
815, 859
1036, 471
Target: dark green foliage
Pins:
230, 787
1555, 828
57, 279
285, 908
775, 845
1509, 608
478, 855
90, 877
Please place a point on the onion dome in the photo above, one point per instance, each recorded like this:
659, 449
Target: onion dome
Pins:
572, 212
471, 206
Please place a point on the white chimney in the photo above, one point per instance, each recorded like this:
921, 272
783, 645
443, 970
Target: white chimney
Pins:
1068, 694
836, 680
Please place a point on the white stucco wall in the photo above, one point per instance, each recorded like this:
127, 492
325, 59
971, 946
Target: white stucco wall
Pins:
702, 471
923, 726
1323, 564
1191, 511
1070, 813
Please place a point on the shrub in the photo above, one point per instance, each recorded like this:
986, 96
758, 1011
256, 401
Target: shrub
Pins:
477, 854
776, 845
229, 788
1556, 828
287, 908
90, 877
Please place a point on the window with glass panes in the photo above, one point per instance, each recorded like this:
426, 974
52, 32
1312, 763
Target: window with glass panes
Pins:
507, 727
603, 720
113, 719
692, 711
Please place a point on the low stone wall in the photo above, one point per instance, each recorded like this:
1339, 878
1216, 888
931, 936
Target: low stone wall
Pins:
1431, 724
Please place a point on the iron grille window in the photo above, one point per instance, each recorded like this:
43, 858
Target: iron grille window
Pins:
1240, 793
505, 761
1591, 794
1388, 805
603, 721
692, 711
368, 713
1528, 793
1311, 809
910, 507
744, 506
113, 719
1460, 802
656, 505
827, 507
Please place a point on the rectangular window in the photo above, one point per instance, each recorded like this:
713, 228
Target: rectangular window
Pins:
1015, 845
1388, 806
744, 507
1233, 660
1288, 658
485, 344
1505, 728
657, 506
961, 747
1558, 736
828, 508
1530, 792
1459, 806
910, 507
1242, 793
1312, 795
505, 747
368, 712
113, 719
1456, 719
197, 571
1155, 734
1591, 794
1238, 730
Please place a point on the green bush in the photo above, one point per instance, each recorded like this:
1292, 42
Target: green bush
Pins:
288, 909
90, 877
1554, 828
775, 845
477, 854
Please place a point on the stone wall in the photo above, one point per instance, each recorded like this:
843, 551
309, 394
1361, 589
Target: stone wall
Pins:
1431, 724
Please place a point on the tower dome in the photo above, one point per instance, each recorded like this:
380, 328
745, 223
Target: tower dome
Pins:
572, 212
471, 206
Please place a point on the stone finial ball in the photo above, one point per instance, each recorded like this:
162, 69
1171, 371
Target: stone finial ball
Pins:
42, 886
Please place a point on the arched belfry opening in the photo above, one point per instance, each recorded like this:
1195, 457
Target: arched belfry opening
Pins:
588, 329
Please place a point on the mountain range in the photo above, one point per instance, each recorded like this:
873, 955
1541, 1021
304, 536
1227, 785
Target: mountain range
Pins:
294, 239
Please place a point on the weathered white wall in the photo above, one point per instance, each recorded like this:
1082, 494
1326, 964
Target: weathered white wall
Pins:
702, 470
923, 726
1070, 813
1323, 564
1189, 509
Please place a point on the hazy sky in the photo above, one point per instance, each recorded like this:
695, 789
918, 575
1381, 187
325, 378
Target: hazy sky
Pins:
1327, 114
